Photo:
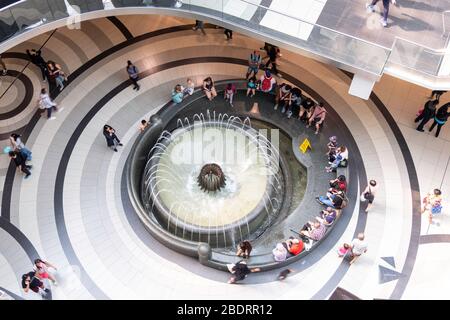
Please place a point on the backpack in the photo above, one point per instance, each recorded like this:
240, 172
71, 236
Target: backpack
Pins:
266, 84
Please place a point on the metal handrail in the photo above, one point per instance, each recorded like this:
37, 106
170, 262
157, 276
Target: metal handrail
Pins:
443, 21
389, 50
11, 5
442, 51
316, 24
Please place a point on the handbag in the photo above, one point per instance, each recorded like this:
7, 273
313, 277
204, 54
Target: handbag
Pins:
419, 112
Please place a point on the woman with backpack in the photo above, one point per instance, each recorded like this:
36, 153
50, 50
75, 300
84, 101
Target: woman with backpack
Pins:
267, 82
440, 118
339, 183
253, 64
428, 112
369, 194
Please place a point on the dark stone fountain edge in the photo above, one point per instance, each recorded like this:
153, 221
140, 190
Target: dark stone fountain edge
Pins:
194, 249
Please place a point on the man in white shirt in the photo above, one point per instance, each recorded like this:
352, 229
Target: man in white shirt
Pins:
359, 246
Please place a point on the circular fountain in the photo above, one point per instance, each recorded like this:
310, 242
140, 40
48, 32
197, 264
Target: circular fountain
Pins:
213, 180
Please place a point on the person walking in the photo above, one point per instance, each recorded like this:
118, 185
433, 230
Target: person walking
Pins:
199, 25
437, 94
20, 162
273, 53
428, 112
111, 139
240, 270
41, 268
369, 194
46, 103
432, 204
31, 282
284, 273
253, 64
371, 8
358, 247
228, 33
18, 145
133, 73
56, 75
4, 70
36, 59
440, 118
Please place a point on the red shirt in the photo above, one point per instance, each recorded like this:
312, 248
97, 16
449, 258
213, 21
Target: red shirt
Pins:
296, 248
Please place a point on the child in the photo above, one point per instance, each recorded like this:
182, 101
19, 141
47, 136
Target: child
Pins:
230, 90
143, 125
177, 94
190, 86
251, 86
342, 251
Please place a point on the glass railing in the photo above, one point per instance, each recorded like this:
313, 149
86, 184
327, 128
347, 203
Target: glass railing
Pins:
295, 31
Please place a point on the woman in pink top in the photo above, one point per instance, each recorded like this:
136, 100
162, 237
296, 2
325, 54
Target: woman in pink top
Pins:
41, 268
317, 117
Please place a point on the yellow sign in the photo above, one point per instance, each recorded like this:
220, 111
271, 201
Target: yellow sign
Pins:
305, 145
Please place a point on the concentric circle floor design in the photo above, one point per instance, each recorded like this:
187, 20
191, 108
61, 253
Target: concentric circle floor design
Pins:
73, 210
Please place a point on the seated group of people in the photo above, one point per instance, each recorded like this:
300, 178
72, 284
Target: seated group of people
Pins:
293, 103
337, 156
180, 92
335, 196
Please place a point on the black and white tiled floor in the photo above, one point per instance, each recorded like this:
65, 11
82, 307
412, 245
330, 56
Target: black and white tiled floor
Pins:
71, 210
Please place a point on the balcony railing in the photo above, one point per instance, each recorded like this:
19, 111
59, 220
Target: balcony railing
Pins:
411, 58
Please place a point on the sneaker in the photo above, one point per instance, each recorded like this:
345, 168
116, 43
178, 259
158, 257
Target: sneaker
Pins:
283, 110
421, 130
61, 88
115, 149
276, 107
4, 72
370, 8
383, 22
318, 200
138, 88
55, 283
27, 176
52, 118
120, 144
